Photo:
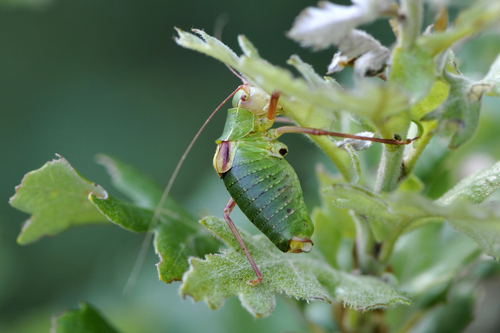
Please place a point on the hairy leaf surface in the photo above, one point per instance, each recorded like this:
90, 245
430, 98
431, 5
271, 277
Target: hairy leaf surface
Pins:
302, 276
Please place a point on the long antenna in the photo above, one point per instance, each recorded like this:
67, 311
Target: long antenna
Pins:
156, 216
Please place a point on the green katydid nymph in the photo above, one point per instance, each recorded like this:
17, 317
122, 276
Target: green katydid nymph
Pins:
250, 160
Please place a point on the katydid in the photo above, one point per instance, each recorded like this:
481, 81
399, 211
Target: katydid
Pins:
250, 161
264, 186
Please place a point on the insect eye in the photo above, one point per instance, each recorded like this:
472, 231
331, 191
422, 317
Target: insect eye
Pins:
244, 97
283, 151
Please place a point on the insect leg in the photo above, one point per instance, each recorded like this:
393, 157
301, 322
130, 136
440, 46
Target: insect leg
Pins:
317, 131
273, 104
271, 114
227, 210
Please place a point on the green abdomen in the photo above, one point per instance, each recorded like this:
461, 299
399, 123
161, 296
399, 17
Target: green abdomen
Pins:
267, 190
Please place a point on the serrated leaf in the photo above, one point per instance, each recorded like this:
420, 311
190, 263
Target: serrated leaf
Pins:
127, 215
302, 276
56, 196
309, 106
85, 320
476, 187
309, 74
177, 237
370, 101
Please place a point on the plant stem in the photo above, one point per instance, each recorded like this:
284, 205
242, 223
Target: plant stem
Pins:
411, 25
389, 171
364, 244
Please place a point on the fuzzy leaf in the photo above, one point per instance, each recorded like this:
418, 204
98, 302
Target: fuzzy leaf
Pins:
85, 320
177, 234
366, 203
177, 237
371, 101
480, 222
302, 276
459, 114
413, 69
330, 23
437, 95
391, 216
307, 105
307, 71
476, 187
56, 196
368, 55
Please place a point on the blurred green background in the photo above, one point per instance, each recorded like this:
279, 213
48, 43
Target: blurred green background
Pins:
85, 77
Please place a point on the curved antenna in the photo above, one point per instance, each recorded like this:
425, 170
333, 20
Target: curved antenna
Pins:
236, 73
156, 216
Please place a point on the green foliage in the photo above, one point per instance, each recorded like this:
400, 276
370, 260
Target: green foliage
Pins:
305, 277
56, 195
177, 234
86, 319
379, 243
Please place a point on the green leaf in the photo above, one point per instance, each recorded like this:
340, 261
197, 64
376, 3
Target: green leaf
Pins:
308, 106
436, 97
177, 237
127, 215
459, 114
301, 276
412, 69
475, 188
141, 189
389, 217
56, 196
480, 222
366, 203
307, 71
85, 320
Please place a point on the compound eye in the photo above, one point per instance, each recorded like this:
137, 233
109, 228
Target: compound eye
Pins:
240, 96
283, 151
